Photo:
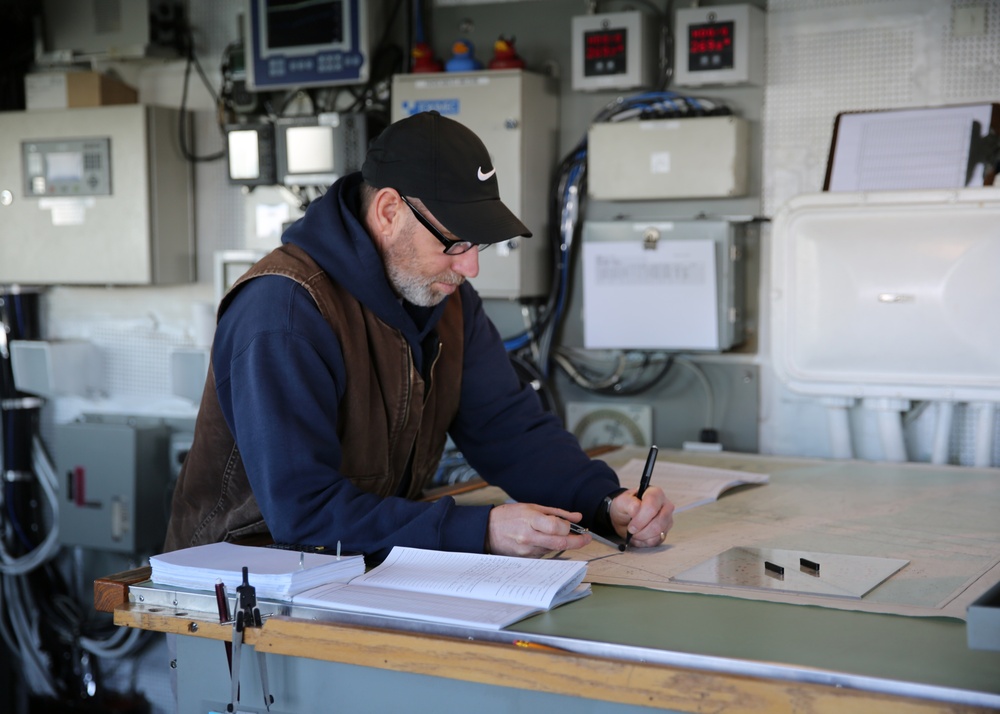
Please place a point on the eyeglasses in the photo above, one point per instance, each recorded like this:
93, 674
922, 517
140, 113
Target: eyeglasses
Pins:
451, 247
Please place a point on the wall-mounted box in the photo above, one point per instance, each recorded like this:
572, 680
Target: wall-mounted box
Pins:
516, 115
615, 50
57, 368
704, 157
719, 45
113, 480
664, 285
98, 196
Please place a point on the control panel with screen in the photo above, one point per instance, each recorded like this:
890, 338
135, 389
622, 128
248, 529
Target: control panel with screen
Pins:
67, 167
290, 43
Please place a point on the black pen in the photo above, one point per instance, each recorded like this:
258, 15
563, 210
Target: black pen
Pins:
647, 474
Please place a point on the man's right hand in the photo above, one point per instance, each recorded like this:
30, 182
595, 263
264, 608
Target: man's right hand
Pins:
531, 531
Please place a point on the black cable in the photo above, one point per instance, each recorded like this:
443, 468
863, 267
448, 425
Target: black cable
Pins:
630, 390
385, 60
529, 374
183, 121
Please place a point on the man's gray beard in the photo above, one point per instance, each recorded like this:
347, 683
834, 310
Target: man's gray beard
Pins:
412, 289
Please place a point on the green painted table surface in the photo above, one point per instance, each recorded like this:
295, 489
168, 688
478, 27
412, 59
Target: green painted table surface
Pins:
924, 650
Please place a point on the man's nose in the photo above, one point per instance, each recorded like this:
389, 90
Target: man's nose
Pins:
467, 264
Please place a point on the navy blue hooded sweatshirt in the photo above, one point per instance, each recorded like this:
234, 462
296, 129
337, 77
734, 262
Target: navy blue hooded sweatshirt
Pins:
280, 375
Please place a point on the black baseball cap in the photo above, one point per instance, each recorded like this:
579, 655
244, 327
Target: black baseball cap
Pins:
444, 164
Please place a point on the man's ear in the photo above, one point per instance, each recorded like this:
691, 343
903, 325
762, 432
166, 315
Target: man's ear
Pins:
384, 214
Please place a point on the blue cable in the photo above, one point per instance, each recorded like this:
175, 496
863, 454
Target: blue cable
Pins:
419, 30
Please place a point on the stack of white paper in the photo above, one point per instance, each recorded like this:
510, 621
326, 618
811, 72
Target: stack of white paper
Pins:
275, 573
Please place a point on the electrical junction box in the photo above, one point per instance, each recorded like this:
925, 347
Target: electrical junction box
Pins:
516, 115
617, 50
703, 157
664, 285
95, 196
719, 45
113, 485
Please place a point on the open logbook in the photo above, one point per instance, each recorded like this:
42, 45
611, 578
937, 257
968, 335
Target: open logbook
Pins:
487, 591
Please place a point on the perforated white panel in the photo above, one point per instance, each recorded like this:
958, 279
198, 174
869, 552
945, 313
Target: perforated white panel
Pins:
830, 56
970, 65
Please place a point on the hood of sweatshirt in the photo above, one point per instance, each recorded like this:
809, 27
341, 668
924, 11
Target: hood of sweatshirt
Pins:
335, 236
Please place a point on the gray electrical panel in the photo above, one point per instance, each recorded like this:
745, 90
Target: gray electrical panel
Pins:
95, 196
515, 113
664, 285
113, 485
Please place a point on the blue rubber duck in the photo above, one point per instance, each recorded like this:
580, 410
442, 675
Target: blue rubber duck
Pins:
462, 57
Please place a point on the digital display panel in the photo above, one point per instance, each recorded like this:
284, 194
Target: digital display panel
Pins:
710, 46
605, 52
309, 150
64, 166
293, 23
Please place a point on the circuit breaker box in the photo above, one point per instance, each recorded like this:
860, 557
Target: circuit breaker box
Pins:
113, 480
515, 113
95, 196
664, 285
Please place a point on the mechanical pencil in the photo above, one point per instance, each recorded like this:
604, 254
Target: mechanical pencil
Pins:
579, 530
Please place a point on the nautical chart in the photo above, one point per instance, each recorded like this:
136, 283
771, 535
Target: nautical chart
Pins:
941, 521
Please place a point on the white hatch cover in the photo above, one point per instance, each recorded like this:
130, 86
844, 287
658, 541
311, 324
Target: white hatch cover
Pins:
888, 294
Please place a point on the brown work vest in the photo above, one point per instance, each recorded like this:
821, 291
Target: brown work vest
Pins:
387, 415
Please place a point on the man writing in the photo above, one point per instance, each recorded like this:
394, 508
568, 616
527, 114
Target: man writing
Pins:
343, 359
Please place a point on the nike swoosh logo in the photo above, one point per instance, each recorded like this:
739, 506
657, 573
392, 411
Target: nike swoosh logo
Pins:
486, 176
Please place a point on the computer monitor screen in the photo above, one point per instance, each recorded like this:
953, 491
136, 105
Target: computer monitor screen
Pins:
295, 24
